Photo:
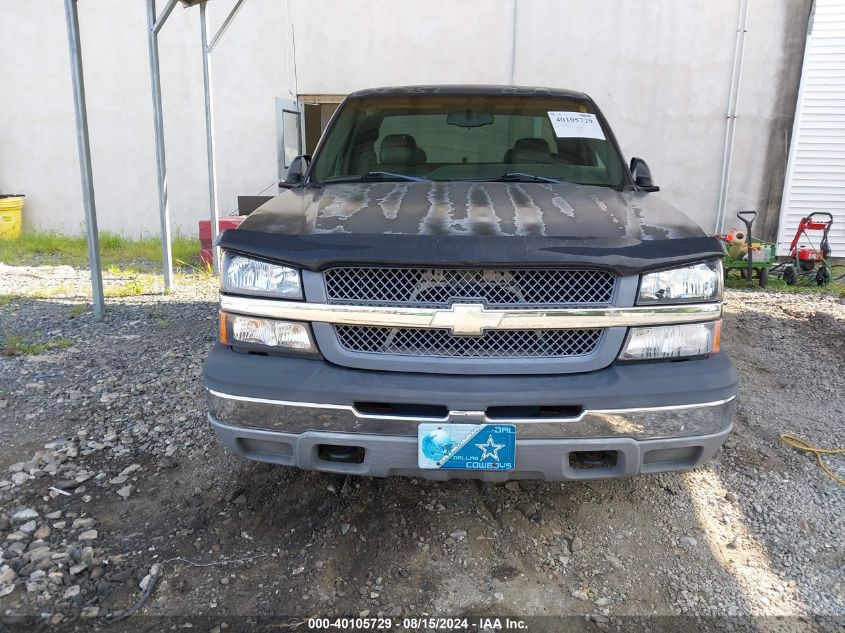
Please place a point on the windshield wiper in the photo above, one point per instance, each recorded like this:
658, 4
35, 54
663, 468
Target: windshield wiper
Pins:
373, 176
516, 176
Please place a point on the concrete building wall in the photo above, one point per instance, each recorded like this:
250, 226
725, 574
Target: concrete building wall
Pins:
659, 70
38, 153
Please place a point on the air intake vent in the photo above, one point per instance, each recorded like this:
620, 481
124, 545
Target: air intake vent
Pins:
439, 288
492, 344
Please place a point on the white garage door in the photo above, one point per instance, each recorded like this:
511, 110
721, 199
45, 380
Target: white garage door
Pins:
815, 179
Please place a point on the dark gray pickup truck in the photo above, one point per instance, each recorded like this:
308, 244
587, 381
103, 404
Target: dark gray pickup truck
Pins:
469, 281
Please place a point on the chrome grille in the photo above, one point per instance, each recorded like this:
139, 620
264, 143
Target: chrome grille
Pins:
492, 344
439, 288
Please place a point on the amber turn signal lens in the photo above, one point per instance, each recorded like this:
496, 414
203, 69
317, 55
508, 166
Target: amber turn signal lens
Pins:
224, 331
717, 336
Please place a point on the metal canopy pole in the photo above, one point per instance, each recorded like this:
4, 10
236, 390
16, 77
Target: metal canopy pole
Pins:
225, 24
84, 157
158, 119
209, 121
209, 137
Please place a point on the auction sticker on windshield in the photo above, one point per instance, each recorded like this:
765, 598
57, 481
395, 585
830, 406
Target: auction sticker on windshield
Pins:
576, 125
466, 446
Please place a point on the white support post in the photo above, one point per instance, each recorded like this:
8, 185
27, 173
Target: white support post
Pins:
85, 157
158, 120
209, 136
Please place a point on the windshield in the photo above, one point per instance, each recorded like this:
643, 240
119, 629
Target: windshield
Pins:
469, 137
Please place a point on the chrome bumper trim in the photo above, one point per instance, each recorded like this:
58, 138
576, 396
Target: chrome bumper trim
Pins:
638, 423
472, 318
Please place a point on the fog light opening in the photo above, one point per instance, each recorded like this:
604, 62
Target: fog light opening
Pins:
589, 460
342, 454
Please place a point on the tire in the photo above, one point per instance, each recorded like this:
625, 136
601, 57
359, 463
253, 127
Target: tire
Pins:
763, 275
790, 275
823, 276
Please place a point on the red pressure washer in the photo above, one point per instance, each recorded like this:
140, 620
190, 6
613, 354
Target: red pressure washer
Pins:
805, 259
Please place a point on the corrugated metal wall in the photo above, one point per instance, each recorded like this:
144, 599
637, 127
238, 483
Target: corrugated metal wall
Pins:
816, 170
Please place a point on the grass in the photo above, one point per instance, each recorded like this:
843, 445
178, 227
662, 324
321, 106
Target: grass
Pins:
117, 253
132, 288
17, 345
47, 293
7, 299
78, 310
836, 288
161, 320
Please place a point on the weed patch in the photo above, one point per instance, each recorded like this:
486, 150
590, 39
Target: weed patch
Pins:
18, 345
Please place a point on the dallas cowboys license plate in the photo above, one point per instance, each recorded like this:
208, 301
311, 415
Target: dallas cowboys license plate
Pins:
467, 446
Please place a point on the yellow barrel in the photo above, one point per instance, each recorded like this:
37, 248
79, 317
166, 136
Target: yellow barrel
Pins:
11, 220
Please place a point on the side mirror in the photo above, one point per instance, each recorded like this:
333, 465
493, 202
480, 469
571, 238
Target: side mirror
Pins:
642, 175
296, 172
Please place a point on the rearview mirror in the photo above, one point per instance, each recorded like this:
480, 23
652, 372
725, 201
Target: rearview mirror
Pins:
296, 172
468, 118
642, 175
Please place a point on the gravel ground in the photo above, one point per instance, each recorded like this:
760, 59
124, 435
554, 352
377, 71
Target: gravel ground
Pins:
112, 483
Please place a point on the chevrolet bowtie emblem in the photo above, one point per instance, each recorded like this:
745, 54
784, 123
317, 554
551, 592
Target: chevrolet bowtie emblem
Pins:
467, 319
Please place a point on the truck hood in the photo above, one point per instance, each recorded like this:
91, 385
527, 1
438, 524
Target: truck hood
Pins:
467, 223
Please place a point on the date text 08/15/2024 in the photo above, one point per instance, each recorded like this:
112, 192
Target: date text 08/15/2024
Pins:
316, 625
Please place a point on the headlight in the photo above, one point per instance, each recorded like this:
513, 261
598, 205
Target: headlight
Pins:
672, 341
246, 275
288, 335
701, 282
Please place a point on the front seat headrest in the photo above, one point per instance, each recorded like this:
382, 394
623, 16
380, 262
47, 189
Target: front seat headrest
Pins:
399, 149
531, 150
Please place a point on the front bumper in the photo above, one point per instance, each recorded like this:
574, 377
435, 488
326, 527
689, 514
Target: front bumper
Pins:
655, 417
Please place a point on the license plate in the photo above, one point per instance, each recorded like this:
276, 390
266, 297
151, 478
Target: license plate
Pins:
466, 446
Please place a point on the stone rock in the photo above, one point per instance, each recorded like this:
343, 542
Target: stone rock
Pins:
603, 602
125, 491
731, 496
614, 561
24, 515
42, 532
90, 612
39, 554
580, 594
7, 576
88, 535
120, 479
146, 580
28, 527
459, 535
577, 545
129, 470
72, 592
687, 542
19, 478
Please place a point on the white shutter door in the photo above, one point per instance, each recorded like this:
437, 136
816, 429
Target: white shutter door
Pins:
815, 178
